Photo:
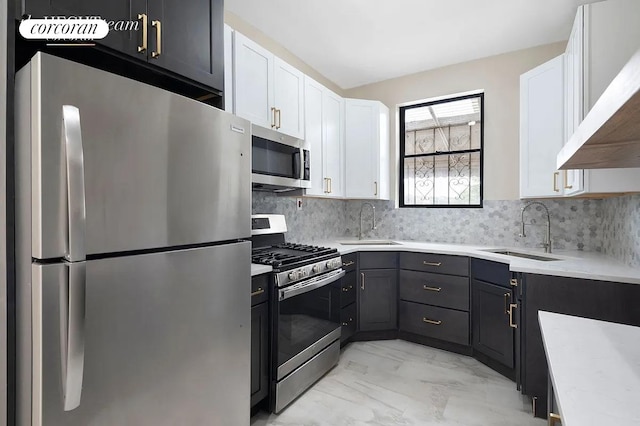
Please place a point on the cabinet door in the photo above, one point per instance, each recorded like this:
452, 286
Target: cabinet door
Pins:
253, 82
113, 10
259, 353
189, 39
574, 96
542, 117
492, 334
313, 135
288, 98
378, 298
361, 148
333, 147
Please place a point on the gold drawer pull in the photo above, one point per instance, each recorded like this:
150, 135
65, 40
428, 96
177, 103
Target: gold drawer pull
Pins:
428, 321
259, 291
554, 418
351, 262
511, 324
431, 263
426, 287
513, 282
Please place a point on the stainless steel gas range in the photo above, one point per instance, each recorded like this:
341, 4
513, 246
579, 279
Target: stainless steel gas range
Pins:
305, 308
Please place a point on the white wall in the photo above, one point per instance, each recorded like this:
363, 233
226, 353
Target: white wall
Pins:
499, 76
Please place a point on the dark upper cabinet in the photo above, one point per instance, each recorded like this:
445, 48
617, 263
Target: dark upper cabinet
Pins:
113, 10
191, 39
185, 38
378, 299
492, 333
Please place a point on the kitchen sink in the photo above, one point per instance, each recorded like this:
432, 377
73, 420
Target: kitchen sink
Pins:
522, 254
369, 243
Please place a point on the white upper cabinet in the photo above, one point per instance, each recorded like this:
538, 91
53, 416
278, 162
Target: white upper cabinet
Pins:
267, 91
605, 35
324, 131
367, 149
542, 130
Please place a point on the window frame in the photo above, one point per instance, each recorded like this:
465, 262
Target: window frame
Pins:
402, 155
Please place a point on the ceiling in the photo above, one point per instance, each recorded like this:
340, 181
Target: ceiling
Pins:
356, 42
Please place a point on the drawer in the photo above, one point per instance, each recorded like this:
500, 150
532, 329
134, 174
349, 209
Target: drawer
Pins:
436, 263
259, 289
491, 272
350, 262
348, 289
438, 323
448, 291
378, 260
348, 317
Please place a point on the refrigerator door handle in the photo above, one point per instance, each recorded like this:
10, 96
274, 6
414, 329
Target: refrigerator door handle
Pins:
76, 209
72, 317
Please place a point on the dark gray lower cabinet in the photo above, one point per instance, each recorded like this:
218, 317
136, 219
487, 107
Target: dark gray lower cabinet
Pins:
259, 352
606, 301
438, 323
348, 317
378, 299
492, 333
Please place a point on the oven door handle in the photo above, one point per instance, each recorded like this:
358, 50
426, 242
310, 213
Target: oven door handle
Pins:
294, 290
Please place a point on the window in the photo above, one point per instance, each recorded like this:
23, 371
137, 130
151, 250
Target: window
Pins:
441, 153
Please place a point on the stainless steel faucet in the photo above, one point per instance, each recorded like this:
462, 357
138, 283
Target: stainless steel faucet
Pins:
373, 226
547, 243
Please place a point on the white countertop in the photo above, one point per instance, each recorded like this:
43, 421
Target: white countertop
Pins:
594, 368
257, 269
575, 264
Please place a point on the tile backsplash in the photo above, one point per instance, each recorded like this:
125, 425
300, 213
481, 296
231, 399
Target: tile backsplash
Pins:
611, 226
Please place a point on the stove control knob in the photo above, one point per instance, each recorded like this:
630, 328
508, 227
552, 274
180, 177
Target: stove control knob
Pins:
292, 275
315, 269
329, 264
304, 273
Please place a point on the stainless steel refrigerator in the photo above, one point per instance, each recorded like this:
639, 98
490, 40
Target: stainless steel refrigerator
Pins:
133, 279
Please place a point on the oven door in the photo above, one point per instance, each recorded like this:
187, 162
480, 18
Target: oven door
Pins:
308, 320
278, 161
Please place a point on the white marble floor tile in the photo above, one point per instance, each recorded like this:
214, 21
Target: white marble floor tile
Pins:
400, 383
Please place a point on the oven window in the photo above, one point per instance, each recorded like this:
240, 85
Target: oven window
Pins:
306, 318
274, 159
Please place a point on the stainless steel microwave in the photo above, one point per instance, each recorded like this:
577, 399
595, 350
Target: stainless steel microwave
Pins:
278, 162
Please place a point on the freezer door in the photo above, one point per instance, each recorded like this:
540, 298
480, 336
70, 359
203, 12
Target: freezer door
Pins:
160, 170
156, 339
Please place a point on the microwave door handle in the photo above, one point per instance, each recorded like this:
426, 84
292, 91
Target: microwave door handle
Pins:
291, 292
72, 317
301, 164
298, 170
74, 158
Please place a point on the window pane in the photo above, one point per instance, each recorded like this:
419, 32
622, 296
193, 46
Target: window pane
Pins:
442, 179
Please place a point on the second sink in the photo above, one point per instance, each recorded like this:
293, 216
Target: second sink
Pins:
524, 255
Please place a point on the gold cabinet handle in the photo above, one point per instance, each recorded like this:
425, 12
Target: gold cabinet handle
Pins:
554, 418
326, 185
158, 26
330, 186
566, 178
555, 181
426, 287
376, 184
507, 296
349, 263
431, 263
513, 282
143, 48
430, 321
511, 307
273, 117
362, 284
259, 291
279, 114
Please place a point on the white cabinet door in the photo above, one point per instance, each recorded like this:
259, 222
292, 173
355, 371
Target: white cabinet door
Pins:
333, 129
363, 148
542, 117
313, 135
253, 83
288, 98
228, 68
